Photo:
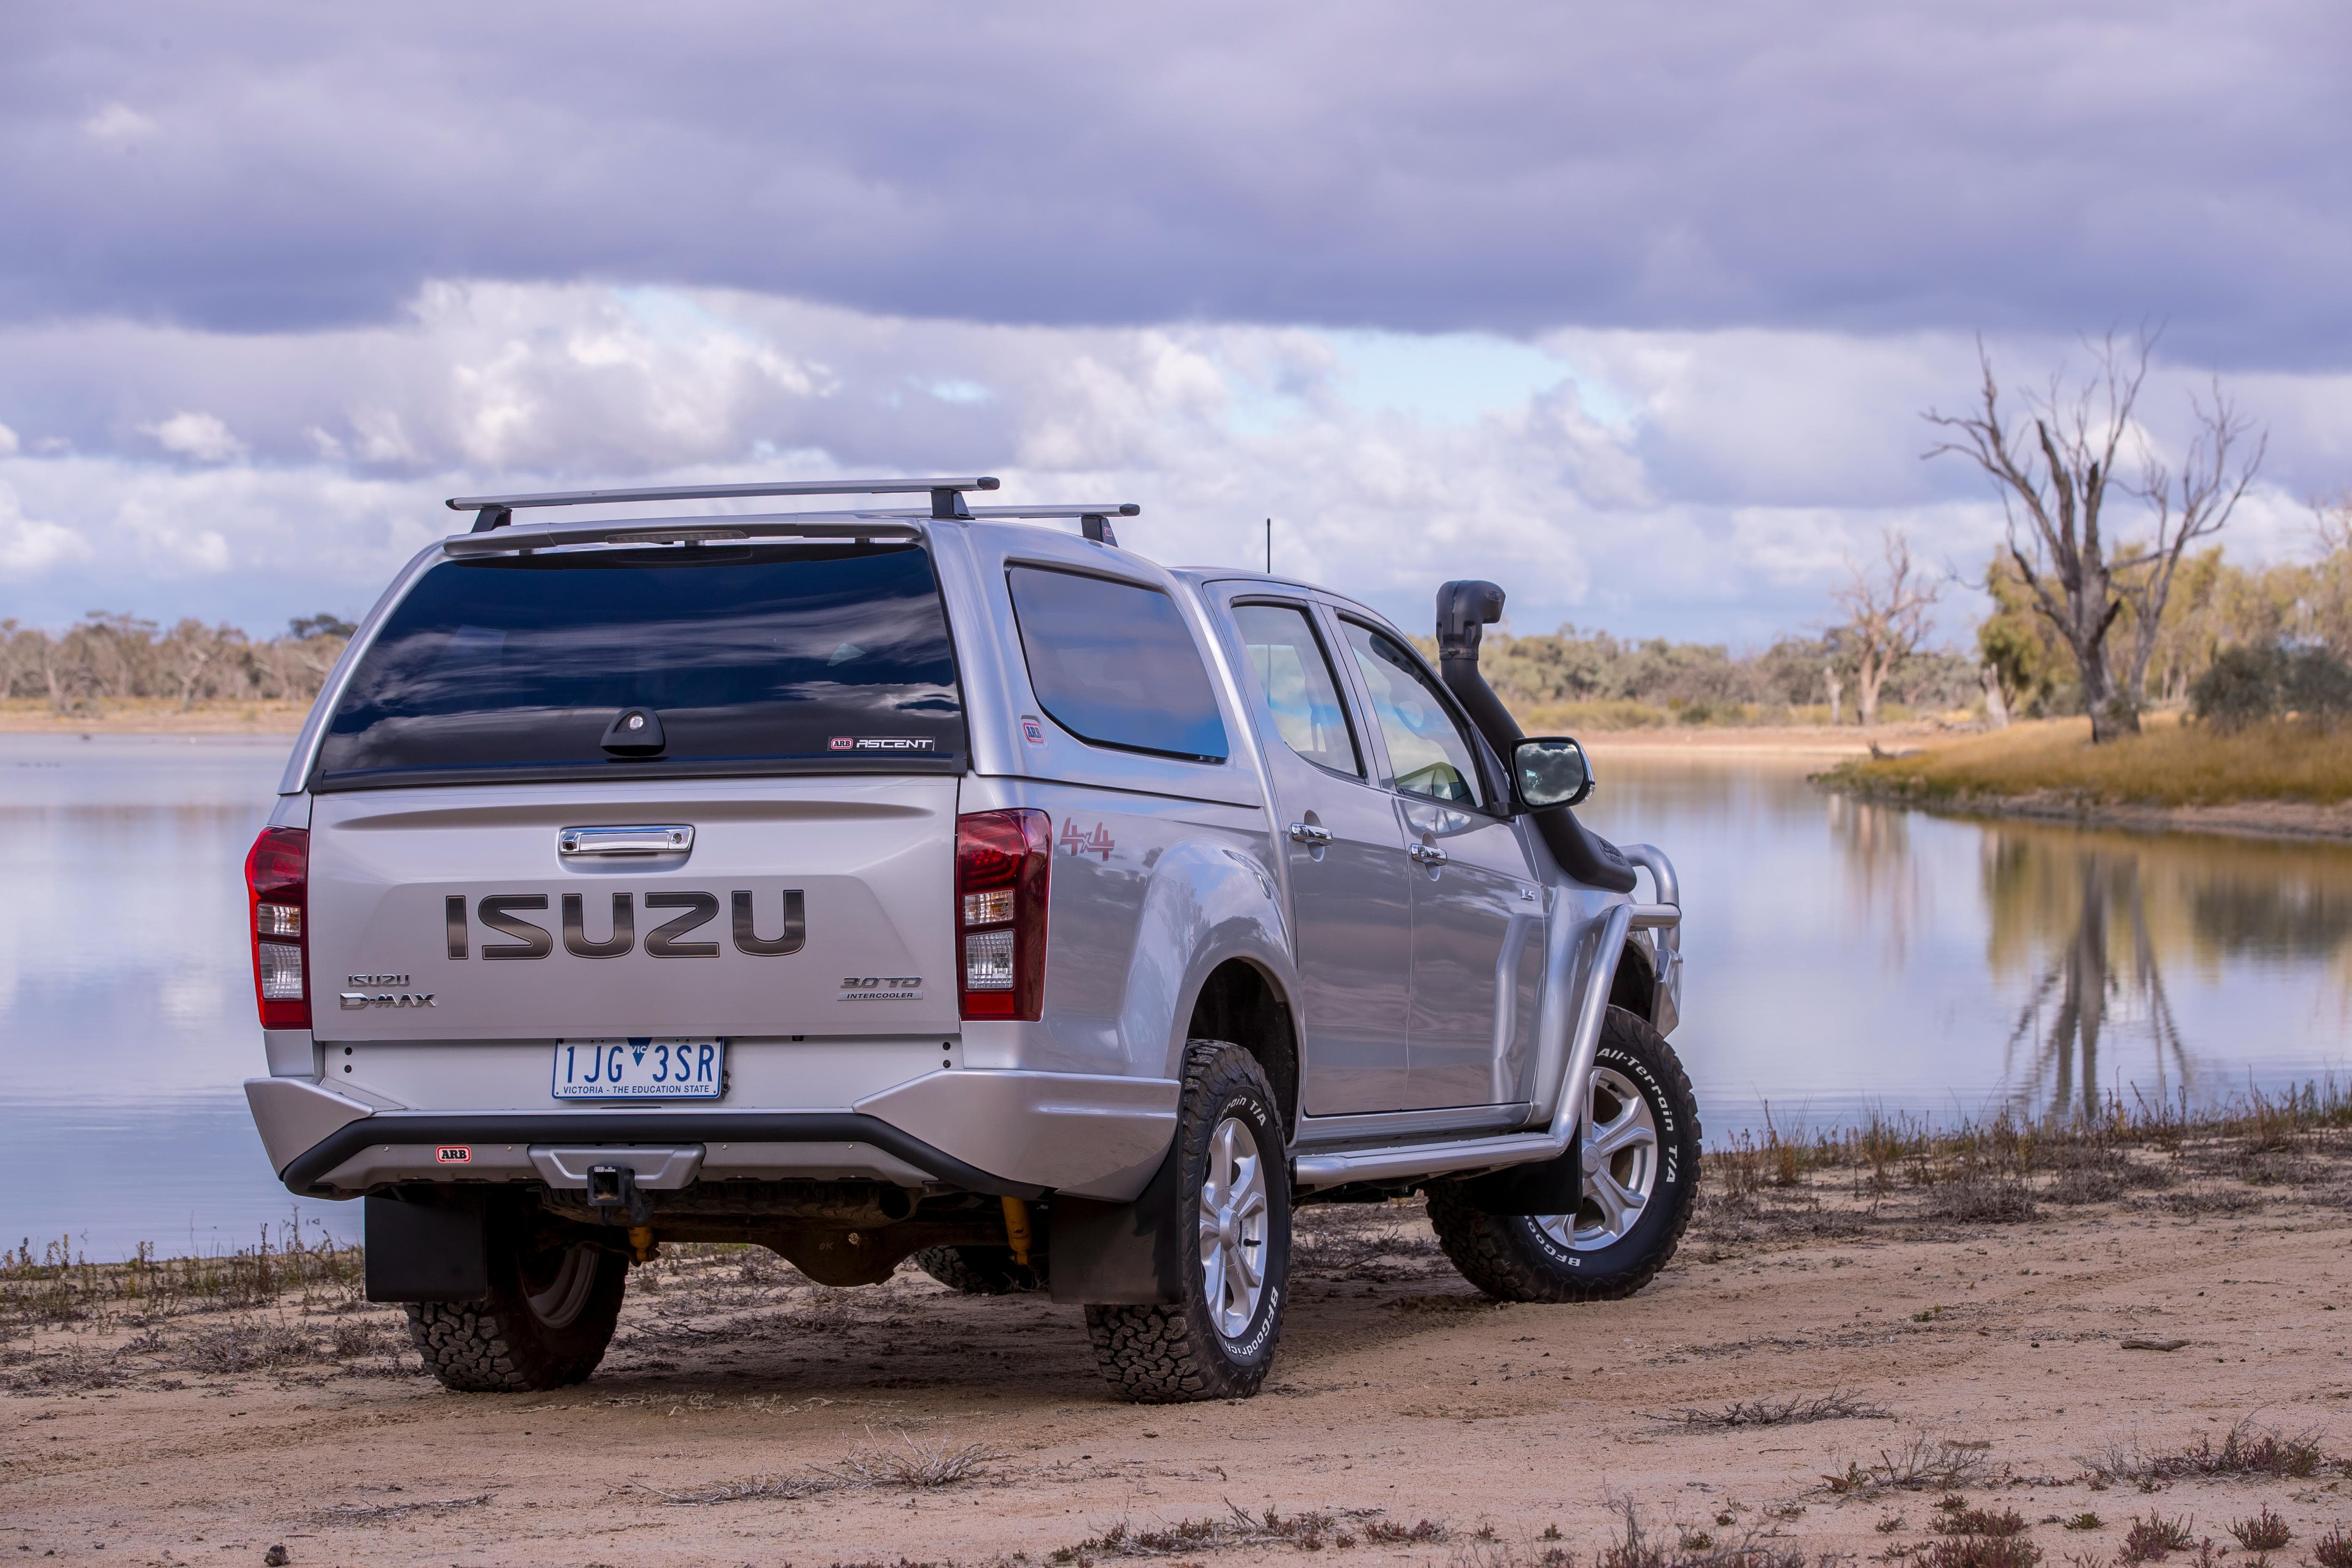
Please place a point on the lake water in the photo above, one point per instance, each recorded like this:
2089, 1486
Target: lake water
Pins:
1841, 957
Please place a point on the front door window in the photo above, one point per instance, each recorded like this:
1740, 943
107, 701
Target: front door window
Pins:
1428, 753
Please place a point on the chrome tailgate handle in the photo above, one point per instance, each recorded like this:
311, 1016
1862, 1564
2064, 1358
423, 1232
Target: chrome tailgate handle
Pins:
625, 840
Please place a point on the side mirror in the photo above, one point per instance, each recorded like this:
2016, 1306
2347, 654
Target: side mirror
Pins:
1549, 771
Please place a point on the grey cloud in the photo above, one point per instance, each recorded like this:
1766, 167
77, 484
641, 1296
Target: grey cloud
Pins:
1692, 484
2017, 166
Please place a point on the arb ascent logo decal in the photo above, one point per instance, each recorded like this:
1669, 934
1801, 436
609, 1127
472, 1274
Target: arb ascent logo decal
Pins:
882, 744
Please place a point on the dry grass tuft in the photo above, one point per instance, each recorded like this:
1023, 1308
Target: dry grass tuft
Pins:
1834, 1406
59, 1286
2266, 1531
755, 1488
1309, 1531
1635, 1548
2245, 1451
1926, 1463
2152, 1539
247, 1344
2333, 1550
385, 1512
1979, 1552
919, 1466
1981, 1522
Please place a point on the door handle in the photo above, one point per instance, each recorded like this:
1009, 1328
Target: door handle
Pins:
1306, 833
1429, 855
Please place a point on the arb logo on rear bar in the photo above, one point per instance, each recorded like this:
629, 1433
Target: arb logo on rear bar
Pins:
454, 1154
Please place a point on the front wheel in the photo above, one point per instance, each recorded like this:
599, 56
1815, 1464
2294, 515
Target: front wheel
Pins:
1233, 1219
545, 1324
1639, 1150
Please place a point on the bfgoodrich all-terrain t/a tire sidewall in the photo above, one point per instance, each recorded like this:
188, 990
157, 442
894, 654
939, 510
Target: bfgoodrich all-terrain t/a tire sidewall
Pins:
1172, 1351
1651, 1067
1512, 1258
1249, 1354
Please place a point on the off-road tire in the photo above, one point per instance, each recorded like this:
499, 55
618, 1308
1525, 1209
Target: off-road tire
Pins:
1511, 1259
1174, 1353
501, 1344
983, 1270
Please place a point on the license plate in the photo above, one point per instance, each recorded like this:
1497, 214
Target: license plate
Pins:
639, 1069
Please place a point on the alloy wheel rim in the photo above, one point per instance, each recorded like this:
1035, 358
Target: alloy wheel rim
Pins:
1619, 1148
565, 1297
1233, 1231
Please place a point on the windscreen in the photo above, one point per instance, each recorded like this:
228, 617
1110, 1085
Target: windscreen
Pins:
807, 656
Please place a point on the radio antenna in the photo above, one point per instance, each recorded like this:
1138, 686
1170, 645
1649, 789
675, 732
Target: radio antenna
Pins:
1269, 547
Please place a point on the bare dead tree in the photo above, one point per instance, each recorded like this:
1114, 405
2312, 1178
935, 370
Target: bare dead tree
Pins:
1886, 619
2332, 520
2055, 468
2190, 504
1995, 705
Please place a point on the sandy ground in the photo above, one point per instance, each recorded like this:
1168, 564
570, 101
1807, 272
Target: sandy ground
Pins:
1814, 741
1997, 1351
147, 717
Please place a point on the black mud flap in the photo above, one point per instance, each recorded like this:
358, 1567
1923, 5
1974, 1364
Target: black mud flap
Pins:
1548, 1186
428, 1244
1120, 1255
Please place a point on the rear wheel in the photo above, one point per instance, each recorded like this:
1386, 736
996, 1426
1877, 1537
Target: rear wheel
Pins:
982, 1270
1640, 1152
1232, 1223
545, 1323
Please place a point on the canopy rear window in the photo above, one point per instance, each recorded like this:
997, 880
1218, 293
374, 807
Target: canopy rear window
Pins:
1113, 664
754, 658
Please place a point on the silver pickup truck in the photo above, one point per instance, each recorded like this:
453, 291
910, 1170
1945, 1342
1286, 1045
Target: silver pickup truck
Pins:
941, 881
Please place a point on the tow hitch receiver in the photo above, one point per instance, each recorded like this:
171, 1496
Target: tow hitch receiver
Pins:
613, 1193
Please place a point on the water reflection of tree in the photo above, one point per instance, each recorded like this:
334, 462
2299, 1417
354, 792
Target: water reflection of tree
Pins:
2099, 977
1881, 878
2092, 919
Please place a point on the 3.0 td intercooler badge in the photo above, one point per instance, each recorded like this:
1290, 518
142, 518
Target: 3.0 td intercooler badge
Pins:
882, 988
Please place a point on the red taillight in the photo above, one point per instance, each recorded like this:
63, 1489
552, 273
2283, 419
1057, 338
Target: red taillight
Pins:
277, 881
1004, 859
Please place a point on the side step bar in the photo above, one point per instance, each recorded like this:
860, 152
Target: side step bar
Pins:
1398, 1164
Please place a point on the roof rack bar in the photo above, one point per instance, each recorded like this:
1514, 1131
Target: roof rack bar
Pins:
894, 522
936, 487
684, 529
1100, 509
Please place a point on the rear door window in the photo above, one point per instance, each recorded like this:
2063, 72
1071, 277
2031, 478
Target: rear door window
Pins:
1428, 751
1115, 664
1297, 681
755, 658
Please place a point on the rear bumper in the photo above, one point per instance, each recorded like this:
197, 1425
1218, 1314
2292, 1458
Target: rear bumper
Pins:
1017, 1135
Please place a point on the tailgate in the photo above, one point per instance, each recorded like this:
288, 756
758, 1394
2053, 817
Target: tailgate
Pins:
802, 906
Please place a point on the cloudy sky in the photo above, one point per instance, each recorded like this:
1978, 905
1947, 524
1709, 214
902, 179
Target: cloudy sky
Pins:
1634, 310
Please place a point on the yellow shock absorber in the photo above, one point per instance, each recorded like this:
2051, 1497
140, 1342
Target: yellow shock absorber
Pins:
1016, 1229
641, 1242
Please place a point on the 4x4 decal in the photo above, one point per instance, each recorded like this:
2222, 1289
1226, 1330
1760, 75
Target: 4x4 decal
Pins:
1098, 842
